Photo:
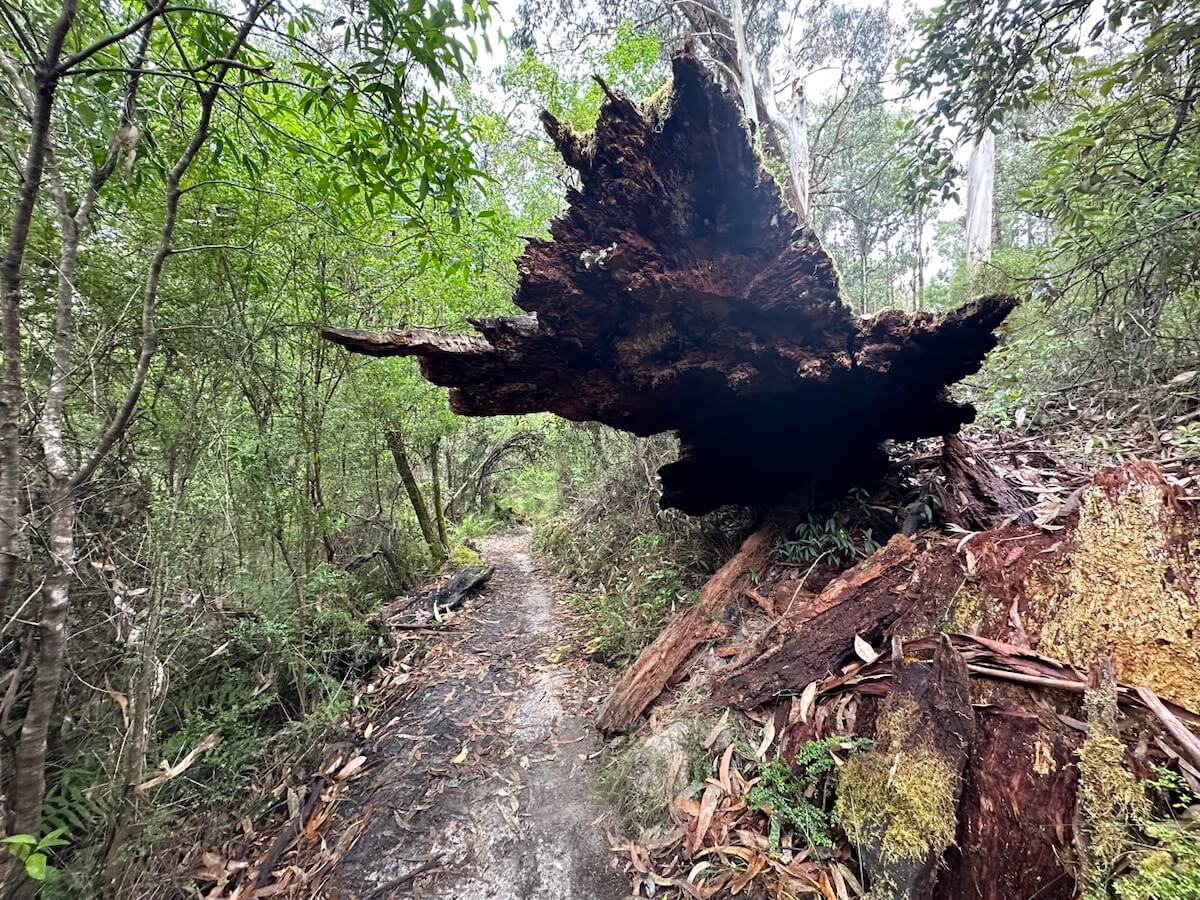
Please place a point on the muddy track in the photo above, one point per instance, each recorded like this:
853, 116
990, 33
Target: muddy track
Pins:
483, 779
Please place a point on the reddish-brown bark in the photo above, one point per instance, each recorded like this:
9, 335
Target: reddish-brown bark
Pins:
931, 715
903, 584
662, 661
1015, 815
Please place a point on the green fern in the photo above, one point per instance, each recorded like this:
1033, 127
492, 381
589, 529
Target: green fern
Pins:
76, 800
783, 791
780, 794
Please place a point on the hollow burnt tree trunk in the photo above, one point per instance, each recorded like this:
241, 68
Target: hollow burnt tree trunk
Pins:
680, 293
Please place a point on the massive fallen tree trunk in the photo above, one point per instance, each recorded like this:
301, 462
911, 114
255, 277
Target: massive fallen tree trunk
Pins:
680, 293
1119, 581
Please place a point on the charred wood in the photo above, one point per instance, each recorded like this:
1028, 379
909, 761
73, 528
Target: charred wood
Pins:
680, 293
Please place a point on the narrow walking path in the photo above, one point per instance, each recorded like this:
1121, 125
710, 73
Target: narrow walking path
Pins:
482, 782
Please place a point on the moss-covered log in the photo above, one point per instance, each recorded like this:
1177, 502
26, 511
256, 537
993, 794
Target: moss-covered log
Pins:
680, 293
1120, 580
898, 802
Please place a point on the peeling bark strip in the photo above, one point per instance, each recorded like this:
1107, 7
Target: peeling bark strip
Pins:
661, 662
680, 293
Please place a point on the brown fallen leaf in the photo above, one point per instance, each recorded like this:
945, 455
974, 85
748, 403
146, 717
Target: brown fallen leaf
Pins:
350, 768
708, 806
723, 770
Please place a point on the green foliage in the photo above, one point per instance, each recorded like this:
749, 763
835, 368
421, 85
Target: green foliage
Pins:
1171, 785
630, 62
73, 803
1168, 870
624, 620
786, 792
472, 527
838, 539
33, 850
281, 677
634, 563
1097, 107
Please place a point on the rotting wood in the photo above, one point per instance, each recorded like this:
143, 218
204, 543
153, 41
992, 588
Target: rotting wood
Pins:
660, 663
1119, 577
681, 293
424, 609
899, 800
978, 496
812, 639
1015, 815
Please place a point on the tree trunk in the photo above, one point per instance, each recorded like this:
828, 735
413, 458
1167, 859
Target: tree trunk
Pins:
429, 531
745, 64
799, 160
436, 489
11, 393
29, 763
131, 765
980, 175
920, 293
675, 208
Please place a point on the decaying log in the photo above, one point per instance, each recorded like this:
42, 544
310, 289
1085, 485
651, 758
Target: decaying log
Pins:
1118, 583
1121, 578
978, 496
899, 800
680, 293
428, 606
662, 661
1015, 815
903, 581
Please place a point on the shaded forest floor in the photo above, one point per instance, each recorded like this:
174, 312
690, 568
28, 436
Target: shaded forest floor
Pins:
479, 764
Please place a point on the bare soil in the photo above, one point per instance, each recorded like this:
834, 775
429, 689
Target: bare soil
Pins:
482, 783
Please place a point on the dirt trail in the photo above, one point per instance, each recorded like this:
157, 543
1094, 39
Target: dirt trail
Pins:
483, 778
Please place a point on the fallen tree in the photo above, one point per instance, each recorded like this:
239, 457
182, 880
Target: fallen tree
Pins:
1119, 579
1030, 611
680, 293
